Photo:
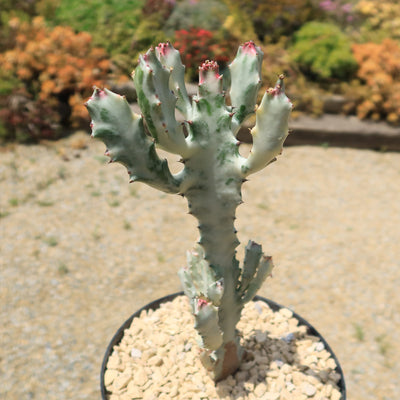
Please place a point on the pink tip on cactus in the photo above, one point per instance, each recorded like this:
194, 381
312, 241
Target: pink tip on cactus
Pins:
210, 66
98, 93
279, 87
206, 67
201, 303
163, 49
249, 48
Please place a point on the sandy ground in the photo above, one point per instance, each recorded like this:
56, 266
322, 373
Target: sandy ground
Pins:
81, 250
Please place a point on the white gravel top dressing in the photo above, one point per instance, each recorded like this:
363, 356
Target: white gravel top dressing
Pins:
158, 359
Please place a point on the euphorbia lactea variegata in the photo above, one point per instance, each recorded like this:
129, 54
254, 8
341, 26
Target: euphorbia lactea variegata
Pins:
212, 176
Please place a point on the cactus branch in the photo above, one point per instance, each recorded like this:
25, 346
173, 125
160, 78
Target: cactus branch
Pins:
157, 103
170, 59
271, 128
245, 72
123, 133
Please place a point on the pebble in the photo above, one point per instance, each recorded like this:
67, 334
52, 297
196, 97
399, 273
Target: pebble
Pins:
335, 395
140, 376
289, 337
109, 376
297, 378
136, 353
122, 380
260, 389
133, 390
271, 396
308, 389
261, 337
287, 314
319, 346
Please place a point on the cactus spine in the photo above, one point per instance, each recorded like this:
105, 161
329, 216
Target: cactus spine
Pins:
211, 179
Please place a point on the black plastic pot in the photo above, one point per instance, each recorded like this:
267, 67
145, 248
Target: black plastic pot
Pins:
156, 304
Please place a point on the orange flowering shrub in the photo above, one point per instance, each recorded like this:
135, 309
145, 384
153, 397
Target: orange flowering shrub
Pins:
379, 69
53, 71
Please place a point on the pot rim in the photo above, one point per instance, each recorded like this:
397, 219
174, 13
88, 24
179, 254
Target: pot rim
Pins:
155, 304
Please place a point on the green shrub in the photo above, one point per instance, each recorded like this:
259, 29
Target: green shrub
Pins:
150, 29
95, 15
269, 20
112, 23
323, 52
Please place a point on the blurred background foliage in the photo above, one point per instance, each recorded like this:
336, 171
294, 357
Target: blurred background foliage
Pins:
53, 51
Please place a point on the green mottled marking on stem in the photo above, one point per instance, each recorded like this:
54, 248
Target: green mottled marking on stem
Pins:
105, 115
241, 113
146, 109
206, 103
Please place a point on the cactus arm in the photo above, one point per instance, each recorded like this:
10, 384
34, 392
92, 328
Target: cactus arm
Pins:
205, 292
157, 103
251, 260
270, 130
123, 133
263, 270
245, 72
206, 323
199, 280
170, 58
